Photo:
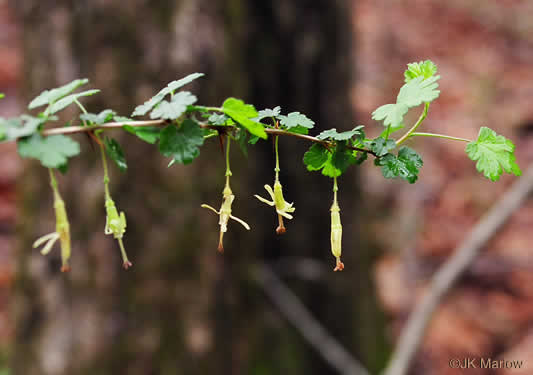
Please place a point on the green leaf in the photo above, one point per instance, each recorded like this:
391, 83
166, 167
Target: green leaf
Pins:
406, 165
121, 119
97, 119
115, 152
182, 144
494, 154
316, 157
241, 139
268, 113
2, 95
381, 146
174, 109
334, 135
342, 158
148, 134
52, 151
295, 119
144, 108
424, 69
253, 139
66, 101
418, 91
174, 85
392, 114
218, 119
48, 97
18, 127
332, 164
298, 130
243, 113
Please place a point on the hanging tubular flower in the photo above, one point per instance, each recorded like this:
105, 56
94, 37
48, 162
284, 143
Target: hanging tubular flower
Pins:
225, 215
336, 230
62, 232
115, 224
225, 210
283, 208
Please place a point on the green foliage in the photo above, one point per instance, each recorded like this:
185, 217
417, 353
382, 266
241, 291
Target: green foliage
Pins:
218, 119
181, 127
148, 134
332, 163
266, 113
381, 146
332, 134
182, 143
2, 95
424, 69
52, 151
116, 153
175, 108
17, 127
406, 165
295, 119
421, 87
48, 97
143, 109
106, 115
494, 154
243, 114
66, 101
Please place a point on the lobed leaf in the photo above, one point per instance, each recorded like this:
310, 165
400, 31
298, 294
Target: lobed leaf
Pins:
52, 151
382, 146
424, 69
243, 113
147, 106
494, 154
98, 119
391, 114
406, 165
174, 109
182, 143
295, 119
17, 127
48, 97
418, 91
334, 135
66, 101
275, 112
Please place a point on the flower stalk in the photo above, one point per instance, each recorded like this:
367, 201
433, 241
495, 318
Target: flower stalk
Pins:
225, 209
283, 208
62, 232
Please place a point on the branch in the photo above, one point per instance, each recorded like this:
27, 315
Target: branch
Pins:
449, 272
315, 334
138, 124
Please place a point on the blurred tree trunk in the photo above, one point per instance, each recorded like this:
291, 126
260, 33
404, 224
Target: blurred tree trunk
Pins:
183, 308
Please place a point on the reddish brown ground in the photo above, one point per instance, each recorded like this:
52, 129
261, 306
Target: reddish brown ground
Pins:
484, 50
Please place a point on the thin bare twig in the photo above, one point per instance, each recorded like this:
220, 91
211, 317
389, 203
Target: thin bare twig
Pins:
315, 334
452, 269
137, 124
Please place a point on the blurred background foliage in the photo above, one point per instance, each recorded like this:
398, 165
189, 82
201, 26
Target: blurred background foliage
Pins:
185, 309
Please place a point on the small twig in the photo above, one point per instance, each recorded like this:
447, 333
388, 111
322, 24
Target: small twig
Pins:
138, 124
315, 334
414, 331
